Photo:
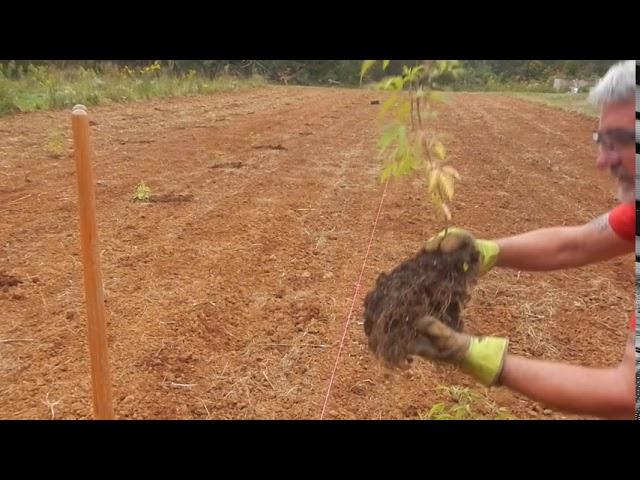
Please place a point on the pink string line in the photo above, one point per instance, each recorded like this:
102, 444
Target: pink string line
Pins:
355, 295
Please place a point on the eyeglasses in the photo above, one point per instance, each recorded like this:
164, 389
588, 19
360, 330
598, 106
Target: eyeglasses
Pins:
615, 139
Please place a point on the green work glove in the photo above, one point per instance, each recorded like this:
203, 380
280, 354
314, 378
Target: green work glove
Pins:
480, 357
488, 249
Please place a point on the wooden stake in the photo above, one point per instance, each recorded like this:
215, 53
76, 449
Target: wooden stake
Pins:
94, 296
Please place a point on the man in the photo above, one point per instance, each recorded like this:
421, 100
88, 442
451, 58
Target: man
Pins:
600, 392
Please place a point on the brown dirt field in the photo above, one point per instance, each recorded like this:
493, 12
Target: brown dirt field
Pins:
228, 296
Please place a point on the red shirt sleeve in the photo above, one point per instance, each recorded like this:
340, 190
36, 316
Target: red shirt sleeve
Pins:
623, 221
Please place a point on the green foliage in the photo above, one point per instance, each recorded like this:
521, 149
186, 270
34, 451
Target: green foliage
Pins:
56, 144
368, 65
462, 406
142, 193
37, 85
54, 85
406, 144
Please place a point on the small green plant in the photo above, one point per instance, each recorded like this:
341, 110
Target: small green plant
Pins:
7, 97
439, 411
150, 70
56, 144
142, 193
460, 410
406, 142
464, 400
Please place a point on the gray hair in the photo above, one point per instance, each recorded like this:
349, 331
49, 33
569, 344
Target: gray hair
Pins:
618, 85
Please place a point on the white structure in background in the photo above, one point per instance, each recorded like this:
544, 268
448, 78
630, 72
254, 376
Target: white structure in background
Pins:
571, 86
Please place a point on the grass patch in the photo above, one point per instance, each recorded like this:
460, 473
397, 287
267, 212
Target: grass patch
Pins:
47, 88
576, 103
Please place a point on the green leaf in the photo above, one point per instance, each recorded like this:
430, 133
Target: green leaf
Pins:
436, 409
142, 193
438, 66
443, 416
446, 185
385, 64
391, 134
384, 84
433, 180
387, 171
392, 83
414, 72
366, 66
389, 104
404, 112
461, 411
439, 150
405, 165
403, 141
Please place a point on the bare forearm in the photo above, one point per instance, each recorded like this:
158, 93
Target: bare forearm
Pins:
603, 393
540, 250
562, 247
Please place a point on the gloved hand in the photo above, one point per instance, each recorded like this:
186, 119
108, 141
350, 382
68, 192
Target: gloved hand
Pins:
488, 249
480, 357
